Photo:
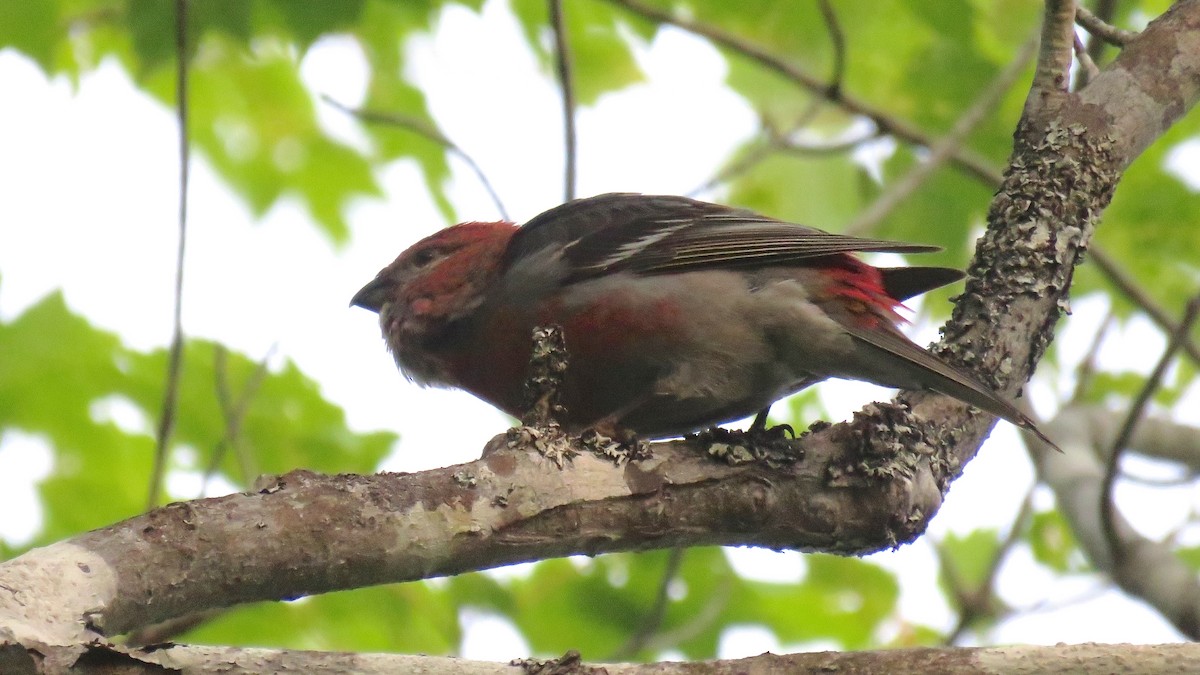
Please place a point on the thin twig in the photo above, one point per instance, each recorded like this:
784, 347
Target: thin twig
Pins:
776, 140
234, 413
1107, 508
562, 58
975, 601
1185, 478
1105, 9
1096, 590
427, 131
1087, 67
886, 123
1102, 29
946, 146
701, 621
838, 37
1088, 365
1130, 289
653, 619
1054, 56
166, 421
809, 149
752, 158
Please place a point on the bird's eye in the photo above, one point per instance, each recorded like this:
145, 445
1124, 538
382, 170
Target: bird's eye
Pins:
423, 257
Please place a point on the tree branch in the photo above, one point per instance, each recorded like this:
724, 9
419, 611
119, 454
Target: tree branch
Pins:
562, 62
1101, 29
1128, 287
427, 131
1054, 57
1096, 658
1136, 410
1068, 153
1143, 568
166, 419
885, 122
513, 506
653, 618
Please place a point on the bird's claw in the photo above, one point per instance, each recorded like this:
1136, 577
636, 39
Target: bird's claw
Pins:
756, 444
549, 440
621, 447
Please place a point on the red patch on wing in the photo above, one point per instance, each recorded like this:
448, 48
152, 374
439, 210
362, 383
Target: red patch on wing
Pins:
855, 280
611, 326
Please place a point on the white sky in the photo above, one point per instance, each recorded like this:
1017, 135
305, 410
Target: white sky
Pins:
88, 197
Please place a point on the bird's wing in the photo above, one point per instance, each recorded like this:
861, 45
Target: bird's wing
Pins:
650, 234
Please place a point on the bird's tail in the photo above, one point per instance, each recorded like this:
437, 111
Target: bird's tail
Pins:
905, 365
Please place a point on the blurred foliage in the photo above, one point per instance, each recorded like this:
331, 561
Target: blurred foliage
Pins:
65, 390
1053, 544
255, 120
596, 606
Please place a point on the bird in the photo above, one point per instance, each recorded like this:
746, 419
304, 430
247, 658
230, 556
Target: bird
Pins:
678, 315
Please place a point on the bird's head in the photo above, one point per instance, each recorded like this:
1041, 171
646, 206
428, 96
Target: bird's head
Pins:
436, 281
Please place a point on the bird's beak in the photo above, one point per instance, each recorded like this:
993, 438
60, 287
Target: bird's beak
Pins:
373, 295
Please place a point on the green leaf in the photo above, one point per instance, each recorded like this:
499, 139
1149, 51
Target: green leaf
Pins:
52, 388
942, 212
844, 600
600, 56
1144, 232
33, 28
47, 388
824, 192
388, 92
1054, 544
1190, 556
253, 118
410, 618
969, 558
598, 606
308, 21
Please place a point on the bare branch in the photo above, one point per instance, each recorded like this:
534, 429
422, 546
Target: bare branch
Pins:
838, 38
562, 62
1103, 30
1068, 154
1087, 67
886, 123
791, 147
233, 412
978, 603
1105, 9
1136, 97
1054, 57
512, 506
653, 619
1144, 568
1136, 411
1129, 287
741, 165
779, 140
427, 131
1087, 366
166, 421
19, 659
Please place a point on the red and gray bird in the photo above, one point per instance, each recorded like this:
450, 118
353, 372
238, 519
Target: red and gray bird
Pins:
677, 314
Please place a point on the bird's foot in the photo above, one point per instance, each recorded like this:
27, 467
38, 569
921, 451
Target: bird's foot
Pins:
620, 446
756, 444
549, 440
